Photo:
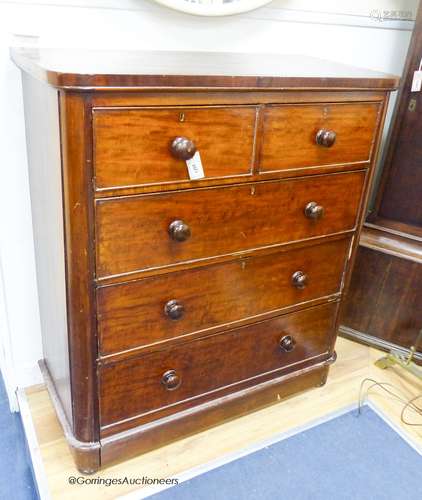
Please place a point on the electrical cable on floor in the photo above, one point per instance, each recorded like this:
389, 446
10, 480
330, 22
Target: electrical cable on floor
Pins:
409, 404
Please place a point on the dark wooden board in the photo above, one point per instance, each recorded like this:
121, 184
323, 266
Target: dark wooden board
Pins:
132, 232
136, 387
132, 315
72, 68
385, 295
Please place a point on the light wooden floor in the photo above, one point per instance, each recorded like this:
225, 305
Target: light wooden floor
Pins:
354, 363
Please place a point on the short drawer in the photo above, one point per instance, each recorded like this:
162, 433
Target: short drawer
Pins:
184, 375
135, 146
153, 310
151, 231
309, 135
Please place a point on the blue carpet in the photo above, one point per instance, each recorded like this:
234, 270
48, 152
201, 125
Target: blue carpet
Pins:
349, 457
16, 480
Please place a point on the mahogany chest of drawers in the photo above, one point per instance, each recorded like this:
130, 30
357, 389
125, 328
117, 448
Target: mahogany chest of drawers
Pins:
170, 300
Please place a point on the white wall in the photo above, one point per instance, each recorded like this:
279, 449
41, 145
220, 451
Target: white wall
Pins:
339, 30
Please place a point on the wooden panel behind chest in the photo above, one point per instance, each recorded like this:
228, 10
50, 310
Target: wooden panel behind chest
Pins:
289, 139
132, 147
133, 314
132, 232
136, 387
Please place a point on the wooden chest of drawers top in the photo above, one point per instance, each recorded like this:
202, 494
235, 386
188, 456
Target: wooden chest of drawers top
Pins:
186, 300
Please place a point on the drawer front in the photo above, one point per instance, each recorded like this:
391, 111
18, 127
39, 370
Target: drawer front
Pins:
156, 309
134, 147
150, 231
181, 374
290, 135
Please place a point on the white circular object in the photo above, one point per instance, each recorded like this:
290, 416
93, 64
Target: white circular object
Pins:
213, 7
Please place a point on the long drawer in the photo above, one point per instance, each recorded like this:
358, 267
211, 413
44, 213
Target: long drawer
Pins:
157, 309
135, 146
307, 135
187, 374
150, 231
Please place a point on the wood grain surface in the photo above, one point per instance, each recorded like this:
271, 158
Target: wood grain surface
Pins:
111, 69
132, 147
132, 315
289, 134
132, 232
132, 388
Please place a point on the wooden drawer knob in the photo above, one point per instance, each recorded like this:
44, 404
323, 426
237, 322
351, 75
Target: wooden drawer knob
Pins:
179, 231
182, 148
299, 279
287, 343
314, 211
174, 309
326, 138
171, 380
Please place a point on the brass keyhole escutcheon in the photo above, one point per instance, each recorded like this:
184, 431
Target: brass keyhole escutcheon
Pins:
412, 105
